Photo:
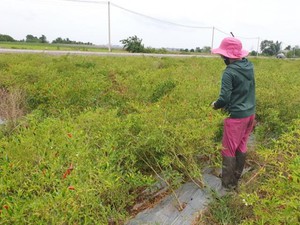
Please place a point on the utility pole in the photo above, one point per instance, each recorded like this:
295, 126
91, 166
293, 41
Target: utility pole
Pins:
212, 38
109, 41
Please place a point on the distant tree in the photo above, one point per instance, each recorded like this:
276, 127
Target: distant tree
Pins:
288, 48
59, 40
206, 49
43, 39
277, 47
133, 44
253, 53
265, 46
192, 50
4, 37
198, 49
293, 52
31, 38
297, 51
268, 47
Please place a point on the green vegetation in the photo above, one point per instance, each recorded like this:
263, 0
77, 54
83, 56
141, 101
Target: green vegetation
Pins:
33, 39
41, 43
268, 195
134, 44
270, 48
279, 182
4, 37
98, 129
42, 39
60, 40
62, 47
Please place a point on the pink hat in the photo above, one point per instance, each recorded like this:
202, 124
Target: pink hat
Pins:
232, 48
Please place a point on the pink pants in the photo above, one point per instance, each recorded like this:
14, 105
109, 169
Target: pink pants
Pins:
235, 135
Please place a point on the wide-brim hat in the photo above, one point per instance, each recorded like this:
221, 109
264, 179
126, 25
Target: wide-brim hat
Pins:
232, 48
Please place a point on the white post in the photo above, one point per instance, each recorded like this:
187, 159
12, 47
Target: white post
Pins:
109, 40
257, 47
212, 38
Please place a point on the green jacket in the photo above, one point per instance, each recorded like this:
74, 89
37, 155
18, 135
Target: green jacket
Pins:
237, 95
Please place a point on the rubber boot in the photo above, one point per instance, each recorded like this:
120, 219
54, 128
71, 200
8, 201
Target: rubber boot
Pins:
229, 180
240, 163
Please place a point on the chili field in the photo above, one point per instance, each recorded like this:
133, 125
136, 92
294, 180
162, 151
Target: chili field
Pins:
84, 136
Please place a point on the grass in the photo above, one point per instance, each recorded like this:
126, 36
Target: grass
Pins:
84, 48
55, 47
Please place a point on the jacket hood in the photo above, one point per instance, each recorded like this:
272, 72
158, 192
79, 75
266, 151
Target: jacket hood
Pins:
243, 67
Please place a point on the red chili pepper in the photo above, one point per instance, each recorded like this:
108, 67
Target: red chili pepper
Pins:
68, 171
72, 188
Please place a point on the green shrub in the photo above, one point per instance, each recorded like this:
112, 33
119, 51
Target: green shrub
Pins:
276, 199
53, 167
119, 121
161, 90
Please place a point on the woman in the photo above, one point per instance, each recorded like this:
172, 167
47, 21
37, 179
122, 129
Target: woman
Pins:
237, 98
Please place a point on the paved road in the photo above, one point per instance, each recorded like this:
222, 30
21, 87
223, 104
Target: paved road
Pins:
53, 52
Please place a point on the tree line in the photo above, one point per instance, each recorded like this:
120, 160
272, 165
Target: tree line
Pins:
134, 44
271, 48
267, 47
42, 39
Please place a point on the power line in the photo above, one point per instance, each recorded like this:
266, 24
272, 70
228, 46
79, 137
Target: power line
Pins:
222, 31
229, 34
156, 19
86, 1
159, 20
247, 37
139, 14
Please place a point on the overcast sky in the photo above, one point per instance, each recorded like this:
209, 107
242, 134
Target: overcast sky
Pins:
88, 21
